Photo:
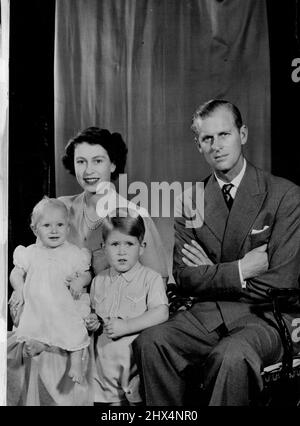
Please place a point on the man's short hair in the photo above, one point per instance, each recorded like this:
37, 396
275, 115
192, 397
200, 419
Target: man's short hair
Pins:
206, 109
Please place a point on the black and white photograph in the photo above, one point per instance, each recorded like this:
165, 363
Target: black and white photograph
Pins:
150, 206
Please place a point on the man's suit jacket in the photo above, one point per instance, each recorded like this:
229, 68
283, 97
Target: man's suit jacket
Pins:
265, 204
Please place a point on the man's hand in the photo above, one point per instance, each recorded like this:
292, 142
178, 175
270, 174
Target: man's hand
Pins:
115, 328
92, 322
255, 262
194, 255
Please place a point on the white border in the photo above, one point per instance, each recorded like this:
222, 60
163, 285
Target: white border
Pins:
4, 98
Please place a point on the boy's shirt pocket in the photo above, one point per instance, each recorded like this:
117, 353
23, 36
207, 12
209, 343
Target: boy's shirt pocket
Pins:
99, 304
134, 303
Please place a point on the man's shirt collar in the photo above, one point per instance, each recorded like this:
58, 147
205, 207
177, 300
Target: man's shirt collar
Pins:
236, 181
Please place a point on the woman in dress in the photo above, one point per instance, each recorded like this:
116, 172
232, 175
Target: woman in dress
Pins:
95, 156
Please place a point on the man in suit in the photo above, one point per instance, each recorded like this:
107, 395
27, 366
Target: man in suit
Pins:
247, 241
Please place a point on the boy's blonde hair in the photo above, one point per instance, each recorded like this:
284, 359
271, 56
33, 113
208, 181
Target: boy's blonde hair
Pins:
39, 208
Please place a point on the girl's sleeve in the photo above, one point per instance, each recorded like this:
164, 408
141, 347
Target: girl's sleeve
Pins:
156, 294
154, 255
84, 261
21, 257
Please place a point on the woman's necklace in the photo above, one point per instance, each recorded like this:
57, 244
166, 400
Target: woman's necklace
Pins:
91, 224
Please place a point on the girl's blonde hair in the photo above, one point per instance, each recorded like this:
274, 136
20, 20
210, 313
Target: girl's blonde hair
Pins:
39, 208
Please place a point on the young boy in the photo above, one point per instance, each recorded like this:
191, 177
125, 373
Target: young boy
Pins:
126, 298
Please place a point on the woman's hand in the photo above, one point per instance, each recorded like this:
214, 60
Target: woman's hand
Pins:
92, 322
16, 300
115, 328
16, 303
194, 255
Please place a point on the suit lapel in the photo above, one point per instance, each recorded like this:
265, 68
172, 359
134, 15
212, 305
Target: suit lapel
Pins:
215, 209
247, 204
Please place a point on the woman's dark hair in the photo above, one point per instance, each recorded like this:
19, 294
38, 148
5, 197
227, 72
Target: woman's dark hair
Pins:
126, 221
113, 143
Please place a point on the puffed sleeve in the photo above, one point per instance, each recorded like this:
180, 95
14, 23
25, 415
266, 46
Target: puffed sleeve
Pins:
156, 293
154, 255
21, 257
84, 260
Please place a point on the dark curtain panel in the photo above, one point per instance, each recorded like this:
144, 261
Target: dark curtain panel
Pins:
284, 30
31, 116
141, 67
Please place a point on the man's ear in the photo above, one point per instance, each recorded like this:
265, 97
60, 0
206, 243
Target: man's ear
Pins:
199, 148
198, 145
244, 134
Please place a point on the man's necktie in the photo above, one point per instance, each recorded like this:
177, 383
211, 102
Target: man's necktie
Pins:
226, 193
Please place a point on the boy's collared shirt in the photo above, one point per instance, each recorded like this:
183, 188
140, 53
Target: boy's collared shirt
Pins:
128, 294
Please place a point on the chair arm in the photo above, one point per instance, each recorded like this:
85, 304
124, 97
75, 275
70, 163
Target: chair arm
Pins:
283, 293
177, 301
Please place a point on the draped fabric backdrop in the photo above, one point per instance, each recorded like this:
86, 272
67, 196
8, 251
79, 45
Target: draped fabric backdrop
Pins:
141, 67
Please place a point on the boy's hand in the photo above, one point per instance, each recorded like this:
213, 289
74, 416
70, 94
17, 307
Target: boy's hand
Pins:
92, 322
115, 328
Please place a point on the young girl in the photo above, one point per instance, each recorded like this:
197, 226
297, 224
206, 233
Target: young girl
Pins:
41, 276
127, 298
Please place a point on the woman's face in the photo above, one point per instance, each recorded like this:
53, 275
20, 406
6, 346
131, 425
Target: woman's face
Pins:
92, 166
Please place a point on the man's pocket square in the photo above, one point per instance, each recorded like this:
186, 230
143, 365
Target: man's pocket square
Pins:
258, 231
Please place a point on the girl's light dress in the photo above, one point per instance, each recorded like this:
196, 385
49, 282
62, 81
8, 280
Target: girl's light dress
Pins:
126, 295
50, 314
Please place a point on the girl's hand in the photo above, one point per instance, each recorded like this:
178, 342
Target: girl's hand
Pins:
92, 322
76, 287
115, 328
70, 278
